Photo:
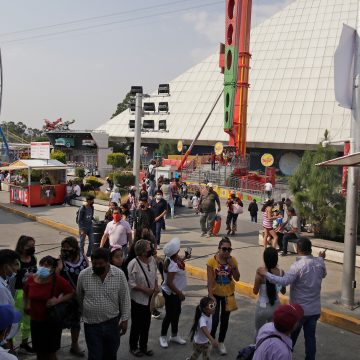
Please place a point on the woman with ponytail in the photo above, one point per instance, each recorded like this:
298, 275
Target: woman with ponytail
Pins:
268, 299
200, 331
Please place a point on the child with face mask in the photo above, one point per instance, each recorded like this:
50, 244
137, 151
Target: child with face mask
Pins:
8, 317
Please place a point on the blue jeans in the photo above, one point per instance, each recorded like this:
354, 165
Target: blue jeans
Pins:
102, 340
90, 234
308, 323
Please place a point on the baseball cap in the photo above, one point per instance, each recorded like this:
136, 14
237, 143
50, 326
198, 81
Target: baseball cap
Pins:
8, 316
210, 185
286, 316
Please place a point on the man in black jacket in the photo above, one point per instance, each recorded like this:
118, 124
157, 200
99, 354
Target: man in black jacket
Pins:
253, 209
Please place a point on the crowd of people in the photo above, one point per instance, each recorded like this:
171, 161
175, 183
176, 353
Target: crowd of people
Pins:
41, 298
120, 281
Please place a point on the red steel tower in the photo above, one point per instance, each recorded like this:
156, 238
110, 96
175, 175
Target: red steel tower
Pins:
235, 64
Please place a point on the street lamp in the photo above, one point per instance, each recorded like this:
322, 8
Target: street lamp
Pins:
348, 284
149, 125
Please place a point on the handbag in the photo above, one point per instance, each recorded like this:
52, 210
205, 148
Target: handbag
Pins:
237, 209
230, 303
157, 301
66, 313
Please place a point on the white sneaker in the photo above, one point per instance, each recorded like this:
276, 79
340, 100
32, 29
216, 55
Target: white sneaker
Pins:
163, 342
222, 349
177, 339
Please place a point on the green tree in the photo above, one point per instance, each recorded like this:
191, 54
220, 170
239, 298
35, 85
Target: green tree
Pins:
116, 160
123, 105
58, 155
167, 148
317, 193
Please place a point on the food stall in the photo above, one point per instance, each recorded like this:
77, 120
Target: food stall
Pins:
37, 182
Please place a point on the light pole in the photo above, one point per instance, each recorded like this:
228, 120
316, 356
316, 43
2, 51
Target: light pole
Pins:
348, 283
137, 138
352, 196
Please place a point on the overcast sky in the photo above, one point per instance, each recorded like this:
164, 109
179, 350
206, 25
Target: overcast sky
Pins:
51, 71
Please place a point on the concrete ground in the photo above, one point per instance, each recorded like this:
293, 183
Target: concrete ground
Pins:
331, 341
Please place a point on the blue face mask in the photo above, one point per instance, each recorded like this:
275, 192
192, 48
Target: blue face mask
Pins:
43, 272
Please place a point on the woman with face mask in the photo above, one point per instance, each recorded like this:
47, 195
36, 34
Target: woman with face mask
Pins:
143, 284
72, 262
25, 248
42, 291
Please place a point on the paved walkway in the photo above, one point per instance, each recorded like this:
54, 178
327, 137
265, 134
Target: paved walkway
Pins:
245, 244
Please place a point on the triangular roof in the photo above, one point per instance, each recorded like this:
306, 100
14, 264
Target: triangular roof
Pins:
35, 164
291, 98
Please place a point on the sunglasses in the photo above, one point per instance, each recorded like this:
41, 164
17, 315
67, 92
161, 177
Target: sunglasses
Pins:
226, 249
212, 306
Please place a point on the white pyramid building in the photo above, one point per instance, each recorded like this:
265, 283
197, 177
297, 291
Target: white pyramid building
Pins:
291, 98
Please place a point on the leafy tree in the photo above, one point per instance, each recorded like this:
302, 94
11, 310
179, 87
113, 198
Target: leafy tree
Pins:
317, 193
123, 105
116, 160
167, 148
58, 155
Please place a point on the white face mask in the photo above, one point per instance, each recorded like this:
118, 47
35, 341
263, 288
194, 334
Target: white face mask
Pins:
158, 197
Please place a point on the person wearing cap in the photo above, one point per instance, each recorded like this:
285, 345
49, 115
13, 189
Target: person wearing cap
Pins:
8, 317
273, 340
172, 289
118, 232
85, 219
207, 206
231, 220
304, 277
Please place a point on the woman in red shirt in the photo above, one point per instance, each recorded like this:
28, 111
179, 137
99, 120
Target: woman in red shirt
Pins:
40, 294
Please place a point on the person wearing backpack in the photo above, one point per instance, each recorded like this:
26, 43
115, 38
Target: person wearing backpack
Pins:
84, 218
273, 340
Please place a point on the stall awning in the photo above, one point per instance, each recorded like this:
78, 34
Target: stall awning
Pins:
348, 160
36, 165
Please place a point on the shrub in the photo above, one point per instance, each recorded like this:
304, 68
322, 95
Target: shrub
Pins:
79, 172
116, 160
122, 179
93, 182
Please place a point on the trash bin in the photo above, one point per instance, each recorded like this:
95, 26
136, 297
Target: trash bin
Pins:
99, 228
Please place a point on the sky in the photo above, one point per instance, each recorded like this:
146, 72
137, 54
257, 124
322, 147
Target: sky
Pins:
76, 59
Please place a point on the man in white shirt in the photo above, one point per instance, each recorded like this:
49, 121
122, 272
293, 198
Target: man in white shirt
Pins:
77, 190
268, 189
118, 232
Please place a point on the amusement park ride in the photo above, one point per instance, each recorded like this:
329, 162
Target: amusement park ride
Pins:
234, 63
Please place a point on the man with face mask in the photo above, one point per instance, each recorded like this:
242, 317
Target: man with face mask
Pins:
118, 232
84, 219
144, 217
104, 299
8, 268
159, 209
8, 317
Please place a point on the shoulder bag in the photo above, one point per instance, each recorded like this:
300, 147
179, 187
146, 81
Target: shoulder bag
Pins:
66, 313
157, 300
